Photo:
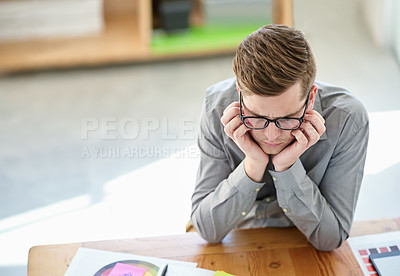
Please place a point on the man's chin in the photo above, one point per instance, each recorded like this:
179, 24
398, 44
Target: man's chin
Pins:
272, 150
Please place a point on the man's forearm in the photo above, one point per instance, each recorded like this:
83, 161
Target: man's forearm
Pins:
311, 213
222, 210
325, 223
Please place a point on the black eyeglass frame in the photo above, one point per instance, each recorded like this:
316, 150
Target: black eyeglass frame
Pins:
268, 121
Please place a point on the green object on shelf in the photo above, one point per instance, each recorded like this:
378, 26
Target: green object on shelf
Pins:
201, 38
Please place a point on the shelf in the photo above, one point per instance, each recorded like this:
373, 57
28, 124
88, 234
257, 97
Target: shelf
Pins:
126, 38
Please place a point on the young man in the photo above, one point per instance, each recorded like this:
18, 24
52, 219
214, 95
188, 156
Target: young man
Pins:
278, 149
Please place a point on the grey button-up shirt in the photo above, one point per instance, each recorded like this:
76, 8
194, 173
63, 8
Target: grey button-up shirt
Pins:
318, 194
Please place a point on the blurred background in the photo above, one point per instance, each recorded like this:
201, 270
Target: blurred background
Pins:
100, 102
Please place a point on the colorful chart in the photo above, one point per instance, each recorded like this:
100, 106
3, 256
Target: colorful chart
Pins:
151, 269
364, 254
364, 246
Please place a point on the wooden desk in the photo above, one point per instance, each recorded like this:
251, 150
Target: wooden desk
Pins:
267, 251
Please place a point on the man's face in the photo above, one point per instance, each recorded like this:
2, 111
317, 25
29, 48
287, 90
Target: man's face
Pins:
291, 103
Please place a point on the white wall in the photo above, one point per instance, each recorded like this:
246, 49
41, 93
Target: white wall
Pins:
374, 14
396, 30
383, 21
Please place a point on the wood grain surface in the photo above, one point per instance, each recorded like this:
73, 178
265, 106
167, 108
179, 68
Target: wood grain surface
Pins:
264, 251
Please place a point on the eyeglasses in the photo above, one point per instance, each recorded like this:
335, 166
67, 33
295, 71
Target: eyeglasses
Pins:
285, 123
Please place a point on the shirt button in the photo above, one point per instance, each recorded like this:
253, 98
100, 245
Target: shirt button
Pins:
257, 189
244, 213
285, 210
268, 199
274, 178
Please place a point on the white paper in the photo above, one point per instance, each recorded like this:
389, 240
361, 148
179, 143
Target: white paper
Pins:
89, 261
202, 272
178, 268
187, 271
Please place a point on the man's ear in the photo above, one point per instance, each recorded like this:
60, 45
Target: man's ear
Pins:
313, 94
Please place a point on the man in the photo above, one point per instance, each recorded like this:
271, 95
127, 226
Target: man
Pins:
277, 148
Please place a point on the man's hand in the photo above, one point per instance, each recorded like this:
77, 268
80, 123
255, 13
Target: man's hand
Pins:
256, 159
307, 135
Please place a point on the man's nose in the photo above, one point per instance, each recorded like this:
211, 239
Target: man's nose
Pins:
272, 132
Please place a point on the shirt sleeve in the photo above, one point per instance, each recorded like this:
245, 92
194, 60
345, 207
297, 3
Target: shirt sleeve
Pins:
324, 212
223, 195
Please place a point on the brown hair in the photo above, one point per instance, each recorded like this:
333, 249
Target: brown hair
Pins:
272, 59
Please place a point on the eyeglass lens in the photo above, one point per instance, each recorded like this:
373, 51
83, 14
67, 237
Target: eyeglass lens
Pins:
281, 123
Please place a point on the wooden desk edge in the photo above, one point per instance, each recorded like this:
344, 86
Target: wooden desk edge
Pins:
36, 253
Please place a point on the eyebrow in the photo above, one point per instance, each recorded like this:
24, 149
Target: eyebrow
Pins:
259, 115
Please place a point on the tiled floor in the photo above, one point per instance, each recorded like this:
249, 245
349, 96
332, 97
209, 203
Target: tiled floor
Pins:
64, 180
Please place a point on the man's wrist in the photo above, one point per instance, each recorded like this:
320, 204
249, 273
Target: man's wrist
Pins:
255, 170
281, 169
